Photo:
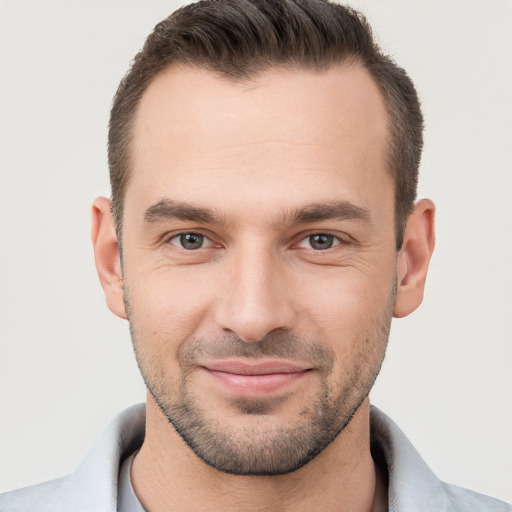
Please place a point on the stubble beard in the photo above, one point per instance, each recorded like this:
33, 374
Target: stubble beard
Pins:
261, 446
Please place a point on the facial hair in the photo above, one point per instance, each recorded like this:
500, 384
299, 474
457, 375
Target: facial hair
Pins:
263, 446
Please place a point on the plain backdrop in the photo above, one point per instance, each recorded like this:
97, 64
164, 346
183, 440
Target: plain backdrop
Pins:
66, 365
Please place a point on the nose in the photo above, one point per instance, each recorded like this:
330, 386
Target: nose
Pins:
255, 299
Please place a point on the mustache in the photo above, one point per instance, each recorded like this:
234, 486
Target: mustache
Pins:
280, 345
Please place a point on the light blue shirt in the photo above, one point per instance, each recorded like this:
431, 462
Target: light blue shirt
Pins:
127, 500
93, 487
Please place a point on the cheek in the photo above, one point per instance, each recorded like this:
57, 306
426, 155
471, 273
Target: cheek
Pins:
354, 323
167, 303
348, 308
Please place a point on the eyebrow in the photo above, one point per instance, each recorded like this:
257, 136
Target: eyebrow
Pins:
167, 209
339, 210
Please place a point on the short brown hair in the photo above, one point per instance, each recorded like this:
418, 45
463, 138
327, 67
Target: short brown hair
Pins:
237, 39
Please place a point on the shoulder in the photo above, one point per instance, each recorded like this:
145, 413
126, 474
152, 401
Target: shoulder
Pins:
36, 498
411, 483
92, 487
463, 500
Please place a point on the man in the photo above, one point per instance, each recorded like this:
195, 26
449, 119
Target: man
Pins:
261, 235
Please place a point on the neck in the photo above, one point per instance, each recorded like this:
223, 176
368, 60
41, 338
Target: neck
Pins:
342, 477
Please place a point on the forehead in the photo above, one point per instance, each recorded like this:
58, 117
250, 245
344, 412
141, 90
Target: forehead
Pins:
189, 100
282, 128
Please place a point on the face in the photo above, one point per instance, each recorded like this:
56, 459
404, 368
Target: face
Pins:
259, 260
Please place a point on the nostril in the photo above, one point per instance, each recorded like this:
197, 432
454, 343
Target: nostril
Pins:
254, 325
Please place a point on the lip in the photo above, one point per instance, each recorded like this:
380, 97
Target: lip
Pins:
255, 380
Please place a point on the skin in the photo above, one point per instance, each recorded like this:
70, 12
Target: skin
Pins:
258, 155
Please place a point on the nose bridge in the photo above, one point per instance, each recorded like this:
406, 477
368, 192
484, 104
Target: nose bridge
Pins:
255, 300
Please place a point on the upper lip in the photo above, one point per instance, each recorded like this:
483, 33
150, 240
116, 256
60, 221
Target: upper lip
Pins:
251, 368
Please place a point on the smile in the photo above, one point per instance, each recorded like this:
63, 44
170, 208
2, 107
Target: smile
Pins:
255, 380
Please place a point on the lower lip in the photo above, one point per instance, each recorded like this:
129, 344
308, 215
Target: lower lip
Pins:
256, 385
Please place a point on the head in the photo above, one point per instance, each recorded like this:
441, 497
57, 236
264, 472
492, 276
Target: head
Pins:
239, 39
262, 198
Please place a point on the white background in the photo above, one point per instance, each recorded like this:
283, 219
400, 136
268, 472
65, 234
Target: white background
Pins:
66, 365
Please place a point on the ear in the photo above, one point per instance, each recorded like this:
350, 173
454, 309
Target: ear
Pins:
106, 255
414, 257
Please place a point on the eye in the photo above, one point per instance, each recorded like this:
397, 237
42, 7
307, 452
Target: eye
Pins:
320, 241
190, 241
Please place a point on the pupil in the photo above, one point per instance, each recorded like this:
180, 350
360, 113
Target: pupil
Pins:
321, 242
191, 241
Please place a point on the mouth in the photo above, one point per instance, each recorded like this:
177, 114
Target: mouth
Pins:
255, 380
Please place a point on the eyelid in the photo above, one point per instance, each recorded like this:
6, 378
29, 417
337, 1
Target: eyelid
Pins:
169, 237
340, 238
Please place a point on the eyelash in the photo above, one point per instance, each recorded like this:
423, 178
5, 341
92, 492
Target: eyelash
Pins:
337, 240
205, 237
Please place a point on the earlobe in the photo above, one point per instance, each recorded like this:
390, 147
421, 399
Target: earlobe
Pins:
414, 257
107, 257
